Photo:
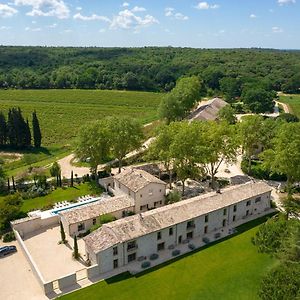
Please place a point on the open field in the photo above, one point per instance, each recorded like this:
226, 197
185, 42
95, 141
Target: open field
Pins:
60, 194
62, 112
293, 101
231, 269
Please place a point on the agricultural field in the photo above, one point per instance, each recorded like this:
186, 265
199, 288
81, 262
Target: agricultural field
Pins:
229, 270
293, 101
62, 112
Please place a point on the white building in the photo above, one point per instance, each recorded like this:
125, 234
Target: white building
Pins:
118, 243
147, 191
79, 220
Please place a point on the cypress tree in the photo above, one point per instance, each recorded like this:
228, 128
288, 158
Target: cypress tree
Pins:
72, 179
37, 136
75, 253
3, 130
62, 232
27, 134
11, 130
13, 182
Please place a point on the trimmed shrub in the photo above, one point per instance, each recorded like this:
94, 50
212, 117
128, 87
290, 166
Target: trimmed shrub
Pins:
9, 237
175, 252
145, 264
206, 240
171, 247
191, 246
154, 256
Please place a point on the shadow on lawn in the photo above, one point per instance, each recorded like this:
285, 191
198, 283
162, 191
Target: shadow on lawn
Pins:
240, 229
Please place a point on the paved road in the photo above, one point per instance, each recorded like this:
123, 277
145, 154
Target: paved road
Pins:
17, 279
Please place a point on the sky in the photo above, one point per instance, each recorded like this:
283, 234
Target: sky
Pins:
138, 23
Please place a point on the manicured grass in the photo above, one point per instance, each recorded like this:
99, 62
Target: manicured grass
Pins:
60, 194
62, 112
293, 102
231, 269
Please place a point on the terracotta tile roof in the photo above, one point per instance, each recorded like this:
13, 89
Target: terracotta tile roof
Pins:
136, 179
104, 206
208, 110
132, 227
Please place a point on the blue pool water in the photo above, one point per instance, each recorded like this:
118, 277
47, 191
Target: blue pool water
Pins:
56, 211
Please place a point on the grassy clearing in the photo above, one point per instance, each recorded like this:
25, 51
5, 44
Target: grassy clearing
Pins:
293, 102
58, 195
62, 112
231, 269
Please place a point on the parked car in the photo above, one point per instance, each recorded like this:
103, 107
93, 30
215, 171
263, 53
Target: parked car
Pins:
7, 250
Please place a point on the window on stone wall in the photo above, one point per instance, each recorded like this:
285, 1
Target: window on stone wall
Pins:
224, 211
94, 221
159, 235
233, 219
258, 199
81, 227
116, 263
115, 250
206, 218
131, 257
171, 231
224, 223
234, 208
160, 246
248, 203
205, 229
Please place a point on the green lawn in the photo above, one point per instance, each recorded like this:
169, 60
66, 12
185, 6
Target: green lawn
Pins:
293, 102
59, 195
62, 112
231, 269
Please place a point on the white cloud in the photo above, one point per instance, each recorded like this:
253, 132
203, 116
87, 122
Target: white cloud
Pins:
46, 8
5, 27
125, 4
7, 11
78, 8
138, 9
253, 16
102, 30
205, 5
92, 17
285, 2
126, 19
67, 31
276, 29
33, 29
170, 12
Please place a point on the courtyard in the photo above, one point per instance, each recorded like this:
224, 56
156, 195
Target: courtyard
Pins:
54, 260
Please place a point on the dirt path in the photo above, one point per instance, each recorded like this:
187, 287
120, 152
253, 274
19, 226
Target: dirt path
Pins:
285, 107
67, 167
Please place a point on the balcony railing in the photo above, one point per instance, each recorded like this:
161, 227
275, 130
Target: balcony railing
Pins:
190, 226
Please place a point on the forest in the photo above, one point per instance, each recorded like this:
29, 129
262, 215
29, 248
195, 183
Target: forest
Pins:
148, 68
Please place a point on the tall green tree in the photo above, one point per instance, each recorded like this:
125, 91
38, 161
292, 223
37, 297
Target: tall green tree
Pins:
37, 135
259, 100
250, 136
218, 144
76, 254
178, 103
227, 114
3, 129
125, 135
93, 143
160, 148
62, 232
184, 151
284, 157
55, 171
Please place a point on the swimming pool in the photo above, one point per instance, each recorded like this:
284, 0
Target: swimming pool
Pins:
75, 205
